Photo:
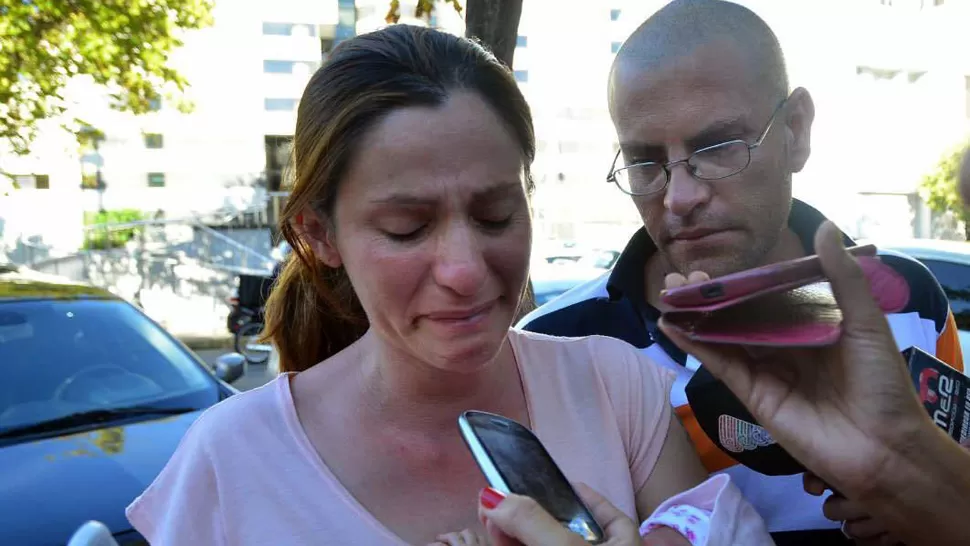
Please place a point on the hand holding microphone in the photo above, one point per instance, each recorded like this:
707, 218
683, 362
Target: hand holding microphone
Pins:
848, 412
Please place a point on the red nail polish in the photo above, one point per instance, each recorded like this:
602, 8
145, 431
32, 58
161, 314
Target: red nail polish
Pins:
490, 498
299, 218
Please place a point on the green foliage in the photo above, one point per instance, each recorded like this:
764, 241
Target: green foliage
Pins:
122, 44
940, 188
102, 239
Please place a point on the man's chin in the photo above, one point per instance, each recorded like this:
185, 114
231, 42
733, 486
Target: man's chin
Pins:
714, 264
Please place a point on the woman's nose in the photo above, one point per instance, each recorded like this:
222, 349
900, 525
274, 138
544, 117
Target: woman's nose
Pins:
460, 263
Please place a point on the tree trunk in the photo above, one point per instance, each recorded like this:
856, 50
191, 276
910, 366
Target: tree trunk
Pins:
496, 24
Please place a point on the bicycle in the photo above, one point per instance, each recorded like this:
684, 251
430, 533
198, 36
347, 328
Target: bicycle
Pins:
246, 342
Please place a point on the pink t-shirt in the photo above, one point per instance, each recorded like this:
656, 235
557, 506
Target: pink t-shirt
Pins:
246, 473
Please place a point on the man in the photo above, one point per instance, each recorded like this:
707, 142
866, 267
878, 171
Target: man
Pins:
709, 139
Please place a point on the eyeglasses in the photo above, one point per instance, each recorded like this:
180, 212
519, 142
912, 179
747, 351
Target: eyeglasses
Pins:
709, 163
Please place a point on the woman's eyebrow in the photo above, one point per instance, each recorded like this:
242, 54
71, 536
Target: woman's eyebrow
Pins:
492, 191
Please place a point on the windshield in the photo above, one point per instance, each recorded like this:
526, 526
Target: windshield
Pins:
68, 356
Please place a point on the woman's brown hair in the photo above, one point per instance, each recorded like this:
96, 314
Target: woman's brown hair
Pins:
312, 312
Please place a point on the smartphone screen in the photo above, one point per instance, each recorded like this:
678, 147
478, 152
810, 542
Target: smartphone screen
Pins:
513, 459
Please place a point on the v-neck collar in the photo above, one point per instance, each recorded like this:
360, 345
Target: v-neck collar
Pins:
292, 420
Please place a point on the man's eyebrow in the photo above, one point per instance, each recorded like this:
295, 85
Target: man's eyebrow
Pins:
636, 148
719, 131
417, 200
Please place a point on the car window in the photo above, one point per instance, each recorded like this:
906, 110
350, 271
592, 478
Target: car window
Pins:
955, 280
60, 357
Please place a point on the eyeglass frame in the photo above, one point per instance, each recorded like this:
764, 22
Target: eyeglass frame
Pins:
611, 177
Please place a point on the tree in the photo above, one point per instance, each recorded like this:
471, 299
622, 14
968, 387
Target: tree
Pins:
121, 44
494, 22
940, 188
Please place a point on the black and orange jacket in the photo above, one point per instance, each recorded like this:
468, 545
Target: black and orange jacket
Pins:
614, 305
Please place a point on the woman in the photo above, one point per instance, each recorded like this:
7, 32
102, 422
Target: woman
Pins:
410, 227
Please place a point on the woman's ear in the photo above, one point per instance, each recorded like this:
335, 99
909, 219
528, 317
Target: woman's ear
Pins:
318, 233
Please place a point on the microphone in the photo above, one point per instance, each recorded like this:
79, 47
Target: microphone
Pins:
732, 428
943, 392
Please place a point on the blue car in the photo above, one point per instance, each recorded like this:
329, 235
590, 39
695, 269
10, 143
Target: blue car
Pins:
94, 399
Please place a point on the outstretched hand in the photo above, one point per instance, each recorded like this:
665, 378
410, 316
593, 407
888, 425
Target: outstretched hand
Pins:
838, 410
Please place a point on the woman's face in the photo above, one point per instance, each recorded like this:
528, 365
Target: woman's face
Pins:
432, 226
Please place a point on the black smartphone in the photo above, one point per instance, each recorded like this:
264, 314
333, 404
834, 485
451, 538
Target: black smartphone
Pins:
515, 461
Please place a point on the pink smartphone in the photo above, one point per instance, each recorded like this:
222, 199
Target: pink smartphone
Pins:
744, 284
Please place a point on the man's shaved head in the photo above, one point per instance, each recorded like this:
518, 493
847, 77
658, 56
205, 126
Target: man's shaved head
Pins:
682, 26
703, 75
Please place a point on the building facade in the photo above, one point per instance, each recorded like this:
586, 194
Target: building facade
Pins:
890, 79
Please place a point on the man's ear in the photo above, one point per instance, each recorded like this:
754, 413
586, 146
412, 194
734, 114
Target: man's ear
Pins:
800, 113
318, 233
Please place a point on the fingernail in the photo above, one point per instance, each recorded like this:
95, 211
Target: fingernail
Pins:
299, 218
490, 498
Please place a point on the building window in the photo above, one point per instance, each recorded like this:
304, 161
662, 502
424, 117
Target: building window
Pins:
154, 141
280, 105
156, 180
89, 181
287, 67
277, 29
521, 41
278, 67
289, 29
615, 47
522, 76
615, 14
34, 181
277, 156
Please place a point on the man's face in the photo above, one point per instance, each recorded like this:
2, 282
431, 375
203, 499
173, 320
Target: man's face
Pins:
704, 98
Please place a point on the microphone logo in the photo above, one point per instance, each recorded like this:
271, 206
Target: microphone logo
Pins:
737, 436
926, 393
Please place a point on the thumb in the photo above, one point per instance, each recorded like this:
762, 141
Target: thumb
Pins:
849, 284
613, 521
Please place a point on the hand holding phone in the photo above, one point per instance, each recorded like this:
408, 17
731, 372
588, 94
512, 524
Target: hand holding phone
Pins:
787, 304
513, 460
740, 286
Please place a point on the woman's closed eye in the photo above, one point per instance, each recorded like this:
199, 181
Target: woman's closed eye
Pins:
495, 222
404, 233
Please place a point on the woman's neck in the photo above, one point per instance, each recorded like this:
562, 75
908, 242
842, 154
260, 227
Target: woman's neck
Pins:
403, 391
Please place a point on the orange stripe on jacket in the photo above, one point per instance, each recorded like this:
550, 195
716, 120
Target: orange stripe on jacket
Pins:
711, 456
948, 344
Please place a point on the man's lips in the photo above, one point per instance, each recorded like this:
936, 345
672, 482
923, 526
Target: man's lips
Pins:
695, 234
